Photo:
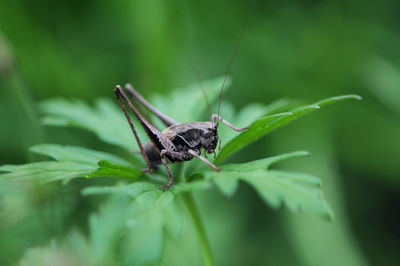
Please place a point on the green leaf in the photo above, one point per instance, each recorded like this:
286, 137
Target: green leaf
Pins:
140, 223
300, 192
151, 211
106, 229
45, 171
191, 186
264, 125
131, 190
248, 114
105, 119
76, 154
113, 170
71, 162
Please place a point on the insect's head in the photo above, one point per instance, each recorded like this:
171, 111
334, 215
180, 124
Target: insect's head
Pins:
209, 138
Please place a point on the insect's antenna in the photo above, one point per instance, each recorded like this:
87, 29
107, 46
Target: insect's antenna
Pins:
197, 73
233, 56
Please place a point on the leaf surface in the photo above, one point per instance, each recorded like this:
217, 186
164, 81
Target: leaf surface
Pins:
71, 162
299, 192
143, 221
265, 125
105, 119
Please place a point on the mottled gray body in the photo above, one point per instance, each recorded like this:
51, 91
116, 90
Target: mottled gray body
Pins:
193, 136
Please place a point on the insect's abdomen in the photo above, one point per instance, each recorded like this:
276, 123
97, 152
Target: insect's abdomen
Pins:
152, 153
155, 158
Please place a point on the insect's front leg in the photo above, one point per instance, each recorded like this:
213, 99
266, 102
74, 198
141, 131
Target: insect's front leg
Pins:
204, 160
216, 117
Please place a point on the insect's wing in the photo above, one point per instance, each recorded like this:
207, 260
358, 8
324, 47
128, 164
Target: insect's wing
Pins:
169, 133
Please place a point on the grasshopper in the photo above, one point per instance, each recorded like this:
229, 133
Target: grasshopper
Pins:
178, 142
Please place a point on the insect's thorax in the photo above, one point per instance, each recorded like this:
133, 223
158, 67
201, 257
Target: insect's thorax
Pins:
193, 135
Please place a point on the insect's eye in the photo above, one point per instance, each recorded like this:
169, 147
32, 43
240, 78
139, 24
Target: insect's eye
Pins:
207, 134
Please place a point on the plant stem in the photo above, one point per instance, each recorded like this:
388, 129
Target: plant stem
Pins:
199, 226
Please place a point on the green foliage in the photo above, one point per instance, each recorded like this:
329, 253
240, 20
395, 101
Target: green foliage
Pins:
45, 171
305, 50
264, 125
300, 192
104, 119
108, 169
138, 213
76, 154
71, 162
138, 225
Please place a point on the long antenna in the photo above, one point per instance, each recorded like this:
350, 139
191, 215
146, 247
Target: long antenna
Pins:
197, 73
234, 54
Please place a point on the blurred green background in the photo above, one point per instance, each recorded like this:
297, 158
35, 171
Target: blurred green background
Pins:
291, 49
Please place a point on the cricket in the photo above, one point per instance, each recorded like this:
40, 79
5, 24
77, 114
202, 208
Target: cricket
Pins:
177, 142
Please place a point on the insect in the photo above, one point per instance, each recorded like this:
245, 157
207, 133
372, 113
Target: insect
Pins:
178, 142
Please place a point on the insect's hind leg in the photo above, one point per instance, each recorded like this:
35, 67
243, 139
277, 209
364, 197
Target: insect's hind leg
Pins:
171, 179
163, 155
168, 121
181, 156
216, 117
120, 93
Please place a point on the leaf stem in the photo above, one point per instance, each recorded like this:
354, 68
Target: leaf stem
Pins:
199, 226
